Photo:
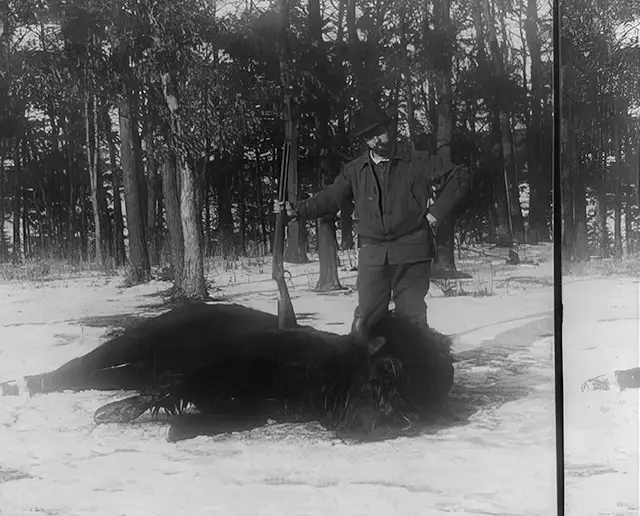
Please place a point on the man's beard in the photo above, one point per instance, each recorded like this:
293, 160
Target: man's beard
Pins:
382, 149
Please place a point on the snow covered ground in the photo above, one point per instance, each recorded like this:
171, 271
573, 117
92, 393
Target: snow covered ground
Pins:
55, 460
601, 427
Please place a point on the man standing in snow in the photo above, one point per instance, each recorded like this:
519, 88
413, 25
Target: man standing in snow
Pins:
392, 192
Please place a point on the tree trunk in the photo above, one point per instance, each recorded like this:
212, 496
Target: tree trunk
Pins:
354, 47
26, 247
153, 240
441, 65
207, 215
172, 210
617, 184
242, 212
499, 232
193, 282
42, 242
72, 242
329, 281
200, 193
120, 255
508, 179
537, 222
225, 216
134, 107
17, 195
102, 197
295, 248
138, 255
92, 160
82, 223
500, 204
260, 202
637, 179
394, 104
326, 229
296, 244
340, 27
511, 185
346, 227
458, 188
3, 238
406, 71
47, 225
581, 243
568, 227
440, 59
601, 195
628, 228
160, 221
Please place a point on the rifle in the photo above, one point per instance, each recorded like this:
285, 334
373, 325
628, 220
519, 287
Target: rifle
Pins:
286, 315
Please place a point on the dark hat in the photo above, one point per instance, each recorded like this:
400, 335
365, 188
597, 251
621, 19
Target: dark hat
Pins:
366, 120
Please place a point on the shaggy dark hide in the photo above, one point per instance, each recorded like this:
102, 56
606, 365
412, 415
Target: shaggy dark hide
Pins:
307, 371
232, 363
175, 343
416, 360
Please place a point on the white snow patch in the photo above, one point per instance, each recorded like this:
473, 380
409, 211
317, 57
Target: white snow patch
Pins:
54, 459
600, 335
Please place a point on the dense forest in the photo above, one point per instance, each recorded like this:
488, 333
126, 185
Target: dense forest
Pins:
600, 54
150, 132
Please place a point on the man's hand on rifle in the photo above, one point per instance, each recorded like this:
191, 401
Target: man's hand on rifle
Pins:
291, 212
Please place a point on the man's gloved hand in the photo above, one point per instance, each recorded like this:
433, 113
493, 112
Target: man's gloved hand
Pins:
290, 210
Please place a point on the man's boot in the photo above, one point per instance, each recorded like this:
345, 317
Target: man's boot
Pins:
357, 326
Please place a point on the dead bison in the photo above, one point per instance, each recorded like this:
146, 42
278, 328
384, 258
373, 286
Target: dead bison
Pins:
237, 369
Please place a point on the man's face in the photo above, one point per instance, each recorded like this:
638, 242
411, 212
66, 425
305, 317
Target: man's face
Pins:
379, 143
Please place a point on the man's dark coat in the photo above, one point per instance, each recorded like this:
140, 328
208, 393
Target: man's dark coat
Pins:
400, 233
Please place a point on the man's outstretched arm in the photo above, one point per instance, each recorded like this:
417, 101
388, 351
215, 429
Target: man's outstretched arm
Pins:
327, 201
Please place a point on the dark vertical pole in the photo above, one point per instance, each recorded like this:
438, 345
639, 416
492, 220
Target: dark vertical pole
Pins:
557, 264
